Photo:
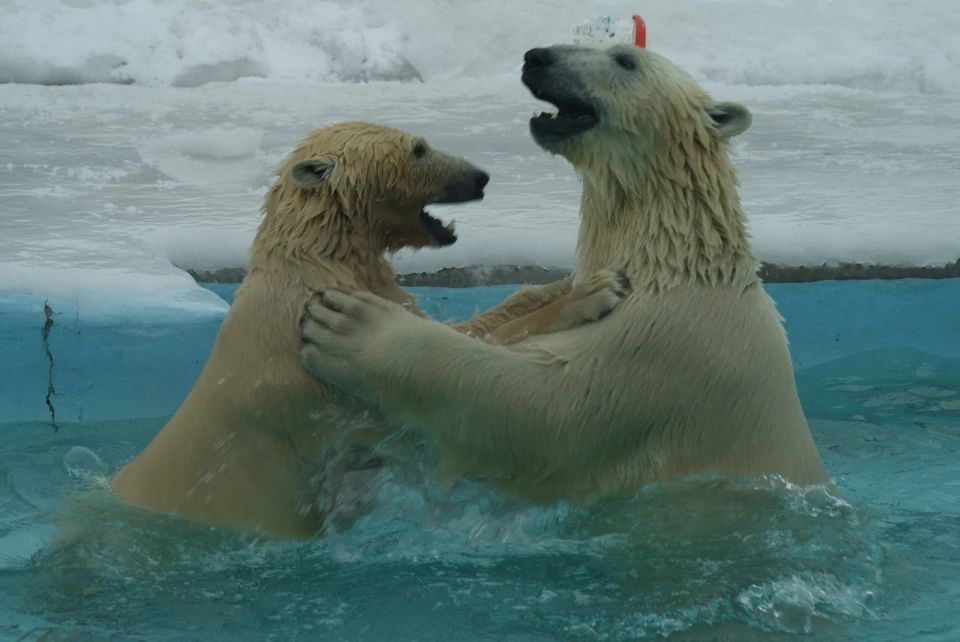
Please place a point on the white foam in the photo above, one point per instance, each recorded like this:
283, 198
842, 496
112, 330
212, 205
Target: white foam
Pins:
859, 43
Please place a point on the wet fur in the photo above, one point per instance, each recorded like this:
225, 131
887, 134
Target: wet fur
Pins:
691, 374
259, 445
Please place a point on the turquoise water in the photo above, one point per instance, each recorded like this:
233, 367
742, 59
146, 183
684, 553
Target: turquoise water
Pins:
878, 367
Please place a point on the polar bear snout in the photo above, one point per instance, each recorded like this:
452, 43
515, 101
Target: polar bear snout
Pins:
467, 188
537, 58
551, 79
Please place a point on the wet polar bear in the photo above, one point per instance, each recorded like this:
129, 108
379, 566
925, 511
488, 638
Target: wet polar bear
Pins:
259, 445
691, 374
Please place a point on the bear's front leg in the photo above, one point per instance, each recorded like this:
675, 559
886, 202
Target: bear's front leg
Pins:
517, 305
591, 300
483, 397
352, 341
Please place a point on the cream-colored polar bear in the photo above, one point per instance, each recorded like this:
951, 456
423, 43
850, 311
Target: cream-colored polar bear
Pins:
260, 445
690, 375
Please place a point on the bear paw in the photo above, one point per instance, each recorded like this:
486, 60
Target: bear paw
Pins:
596, 297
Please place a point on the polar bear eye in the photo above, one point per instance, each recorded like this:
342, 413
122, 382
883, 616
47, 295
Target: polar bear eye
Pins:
626, 62
419, 150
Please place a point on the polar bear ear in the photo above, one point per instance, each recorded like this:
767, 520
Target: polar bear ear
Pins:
731, 119
310, 174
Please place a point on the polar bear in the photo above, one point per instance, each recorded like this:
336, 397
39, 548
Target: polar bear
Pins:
690, 375
259, 445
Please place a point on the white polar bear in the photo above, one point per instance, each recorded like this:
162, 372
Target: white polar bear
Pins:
691, 374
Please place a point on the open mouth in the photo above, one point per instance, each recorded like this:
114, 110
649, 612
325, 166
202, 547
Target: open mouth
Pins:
442, 233
568, 121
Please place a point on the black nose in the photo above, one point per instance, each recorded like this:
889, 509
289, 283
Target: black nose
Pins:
481, 178
537, 58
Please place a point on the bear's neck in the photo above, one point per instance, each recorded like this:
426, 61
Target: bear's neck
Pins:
665, 228
320, 251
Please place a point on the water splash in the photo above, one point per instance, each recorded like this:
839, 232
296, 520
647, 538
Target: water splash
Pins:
84, 464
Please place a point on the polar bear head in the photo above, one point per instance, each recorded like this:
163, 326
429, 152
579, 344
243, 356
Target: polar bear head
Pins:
620, 105
363, 188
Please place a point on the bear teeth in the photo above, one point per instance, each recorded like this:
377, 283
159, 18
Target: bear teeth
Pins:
451, 226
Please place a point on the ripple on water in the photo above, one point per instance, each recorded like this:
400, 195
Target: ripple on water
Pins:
696, 559
752, 553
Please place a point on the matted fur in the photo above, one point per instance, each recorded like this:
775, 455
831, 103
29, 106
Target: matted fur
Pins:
259, 445
690, 375
659, 192
364, 207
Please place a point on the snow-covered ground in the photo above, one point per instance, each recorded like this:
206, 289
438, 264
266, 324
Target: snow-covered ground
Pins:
158, 153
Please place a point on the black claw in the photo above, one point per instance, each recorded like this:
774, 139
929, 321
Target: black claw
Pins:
620, 293
604, 313
303, 342
624, 281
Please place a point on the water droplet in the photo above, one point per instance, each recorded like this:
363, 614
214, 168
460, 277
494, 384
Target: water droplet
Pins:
83, 462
